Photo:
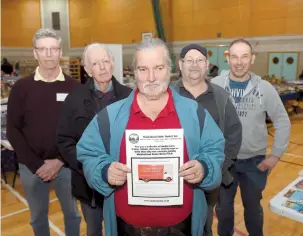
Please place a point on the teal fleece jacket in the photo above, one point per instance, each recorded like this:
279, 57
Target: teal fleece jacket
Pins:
207, 147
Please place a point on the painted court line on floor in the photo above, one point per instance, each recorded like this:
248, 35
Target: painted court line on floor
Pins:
14, 213
14, 192
53, 200
293, 155
22, 210
238, 232
22, 199
288, 154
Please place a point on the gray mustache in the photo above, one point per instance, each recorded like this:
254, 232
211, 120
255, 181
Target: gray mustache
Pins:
195, 69
147, 85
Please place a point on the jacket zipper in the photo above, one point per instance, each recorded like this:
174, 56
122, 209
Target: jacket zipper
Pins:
93, 203
93, 199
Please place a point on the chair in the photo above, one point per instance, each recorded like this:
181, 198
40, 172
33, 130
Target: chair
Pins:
8, 161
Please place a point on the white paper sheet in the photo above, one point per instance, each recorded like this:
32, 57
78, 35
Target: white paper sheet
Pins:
155, 157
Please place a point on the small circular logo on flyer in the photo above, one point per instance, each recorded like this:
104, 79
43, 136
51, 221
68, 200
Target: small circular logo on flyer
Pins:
133, 138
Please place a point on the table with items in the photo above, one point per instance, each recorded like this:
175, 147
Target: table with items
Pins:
289, 202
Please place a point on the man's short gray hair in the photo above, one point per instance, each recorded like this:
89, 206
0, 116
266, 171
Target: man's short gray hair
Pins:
94, 45
45, 33
152, 43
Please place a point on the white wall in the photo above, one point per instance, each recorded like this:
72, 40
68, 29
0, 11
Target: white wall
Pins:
61, 6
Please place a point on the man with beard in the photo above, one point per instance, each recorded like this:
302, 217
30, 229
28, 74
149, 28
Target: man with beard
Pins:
253, 98
193, 84
153, 105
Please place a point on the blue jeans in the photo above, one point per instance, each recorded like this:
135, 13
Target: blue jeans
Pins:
252, 182
93, 218
37, 196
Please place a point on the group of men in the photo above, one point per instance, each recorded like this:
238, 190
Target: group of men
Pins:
73, 136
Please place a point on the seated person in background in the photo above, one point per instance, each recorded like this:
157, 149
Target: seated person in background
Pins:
16, 69
6, 67
214, 71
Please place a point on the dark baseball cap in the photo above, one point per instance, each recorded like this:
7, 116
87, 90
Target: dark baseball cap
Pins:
189, 47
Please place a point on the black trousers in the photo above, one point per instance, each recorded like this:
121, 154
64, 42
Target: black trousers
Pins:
181, 229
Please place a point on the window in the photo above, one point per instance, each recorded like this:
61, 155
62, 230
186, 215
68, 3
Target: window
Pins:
275, 60
56, 20
290, 60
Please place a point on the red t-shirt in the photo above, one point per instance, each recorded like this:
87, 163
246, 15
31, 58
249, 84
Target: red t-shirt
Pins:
152, 216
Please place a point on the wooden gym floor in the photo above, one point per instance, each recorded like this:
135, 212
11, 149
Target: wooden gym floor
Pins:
15, 214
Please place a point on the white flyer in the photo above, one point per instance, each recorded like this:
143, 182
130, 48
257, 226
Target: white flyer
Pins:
155, 157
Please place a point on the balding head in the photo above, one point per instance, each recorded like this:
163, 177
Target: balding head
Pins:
98, 62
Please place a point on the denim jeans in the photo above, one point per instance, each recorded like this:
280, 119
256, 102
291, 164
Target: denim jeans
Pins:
37, 196
252, 182
93, 218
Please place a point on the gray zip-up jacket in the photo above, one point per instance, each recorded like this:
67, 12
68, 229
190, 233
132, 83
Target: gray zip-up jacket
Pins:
259, 98
229, 124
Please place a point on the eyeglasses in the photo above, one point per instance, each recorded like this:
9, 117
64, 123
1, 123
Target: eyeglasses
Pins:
198, 61
44, 50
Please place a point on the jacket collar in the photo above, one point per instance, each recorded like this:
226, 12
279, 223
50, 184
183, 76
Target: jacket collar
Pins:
119, 89
179, 84
125, 108
38, 76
